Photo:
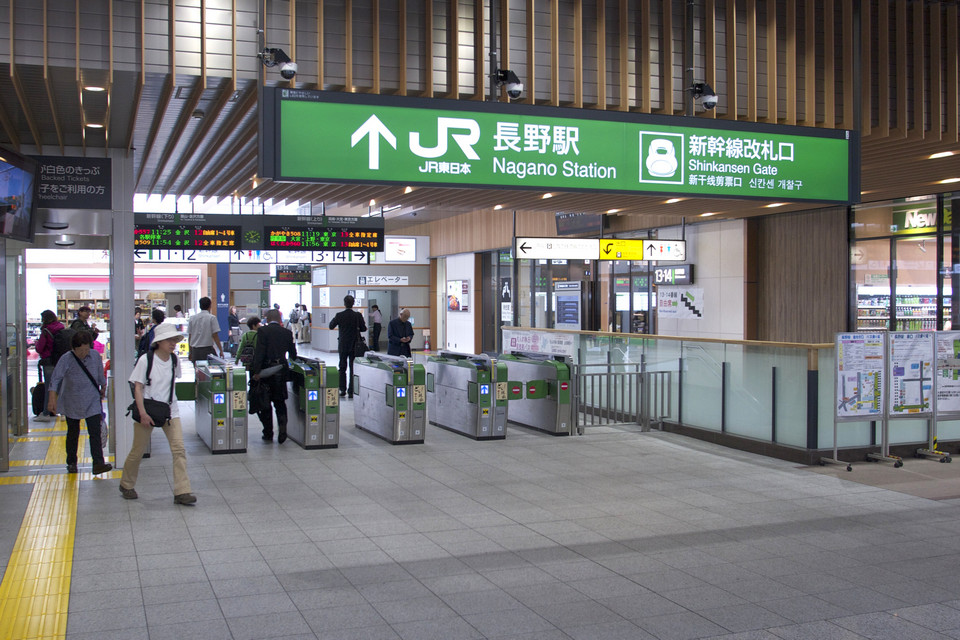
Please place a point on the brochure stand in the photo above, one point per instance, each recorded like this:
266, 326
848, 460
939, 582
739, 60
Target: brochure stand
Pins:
859, 393
946, 397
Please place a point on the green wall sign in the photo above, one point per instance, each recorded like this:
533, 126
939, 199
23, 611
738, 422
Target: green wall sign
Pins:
316, 136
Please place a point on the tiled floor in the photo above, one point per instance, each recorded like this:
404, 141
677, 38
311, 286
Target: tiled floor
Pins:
613, 535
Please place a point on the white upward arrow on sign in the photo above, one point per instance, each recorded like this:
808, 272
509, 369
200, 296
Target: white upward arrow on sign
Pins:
373, 127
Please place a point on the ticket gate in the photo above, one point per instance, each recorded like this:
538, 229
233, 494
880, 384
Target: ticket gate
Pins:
546, 405
313, 404
467, 394
222, 405
390, 397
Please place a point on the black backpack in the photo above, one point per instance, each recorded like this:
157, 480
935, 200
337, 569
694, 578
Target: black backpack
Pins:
62, 343
149, 354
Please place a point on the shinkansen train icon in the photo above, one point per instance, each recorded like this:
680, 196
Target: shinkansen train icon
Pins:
661, 158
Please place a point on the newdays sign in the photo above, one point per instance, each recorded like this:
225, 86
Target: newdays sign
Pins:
333, 137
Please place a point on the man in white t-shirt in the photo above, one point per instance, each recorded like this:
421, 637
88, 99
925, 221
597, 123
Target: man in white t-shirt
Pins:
160, 386
203, 330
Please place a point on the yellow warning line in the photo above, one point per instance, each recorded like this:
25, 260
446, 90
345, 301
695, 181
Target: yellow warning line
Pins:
35, 592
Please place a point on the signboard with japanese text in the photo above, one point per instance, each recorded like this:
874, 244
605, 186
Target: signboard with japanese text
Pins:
309, 233
557, 248
910, 368
680, 303
678, 274
434, 142
186, 236
860, 387
623, 249
293, 274
948, 372
376, 281
257, 257
524, 341
74, 183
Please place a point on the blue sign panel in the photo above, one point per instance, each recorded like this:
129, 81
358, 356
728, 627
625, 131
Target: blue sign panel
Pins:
401, 392
484, 389
219, 398
312, 395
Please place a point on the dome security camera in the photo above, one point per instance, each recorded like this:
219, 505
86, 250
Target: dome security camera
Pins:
705, 93
288, 70
509, 79
514, 90
709, 101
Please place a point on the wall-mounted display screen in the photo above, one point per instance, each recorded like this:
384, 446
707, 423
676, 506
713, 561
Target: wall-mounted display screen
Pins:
18, 194
571, 223
400, 249
293, 274
186, 236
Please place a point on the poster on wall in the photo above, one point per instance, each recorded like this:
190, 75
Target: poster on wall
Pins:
860, 375
680, 302
458, 295
911, 373
948, 372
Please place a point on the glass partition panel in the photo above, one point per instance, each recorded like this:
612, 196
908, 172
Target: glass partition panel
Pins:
701, 384
750, 391
908, 430
948, 429
791, 408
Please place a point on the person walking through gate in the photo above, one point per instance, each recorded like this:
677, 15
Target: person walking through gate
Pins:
203, 330
77, 388
45, 349
351, 326
159, 385
399, 335
274, 344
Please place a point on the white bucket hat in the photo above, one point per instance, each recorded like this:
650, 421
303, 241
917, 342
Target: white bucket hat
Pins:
165, 331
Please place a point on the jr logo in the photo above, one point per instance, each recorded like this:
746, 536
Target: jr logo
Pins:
445, 125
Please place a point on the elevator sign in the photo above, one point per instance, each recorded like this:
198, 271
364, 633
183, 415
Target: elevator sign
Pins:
450, 143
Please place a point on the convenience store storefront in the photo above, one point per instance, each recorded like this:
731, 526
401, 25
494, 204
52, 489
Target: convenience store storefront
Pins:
905, 264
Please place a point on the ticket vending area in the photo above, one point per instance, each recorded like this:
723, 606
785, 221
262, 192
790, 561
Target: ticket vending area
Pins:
546, 405
390, 398
221, 418
468, 394
313, 404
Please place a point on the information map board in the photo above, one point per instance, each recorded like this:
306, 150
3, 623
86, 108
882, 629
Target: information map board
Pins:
860, 375
948, 373
910, 374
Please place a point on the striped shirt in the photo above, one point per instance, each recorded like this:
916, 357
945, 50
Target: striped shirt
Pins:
76, 397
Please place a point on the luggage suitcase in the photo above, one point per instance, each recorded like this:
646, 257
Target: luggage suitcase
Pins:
38, 398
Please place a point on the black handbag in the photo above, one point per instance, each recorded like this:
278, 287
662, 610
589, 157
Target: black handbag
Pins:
360, 348
158, 411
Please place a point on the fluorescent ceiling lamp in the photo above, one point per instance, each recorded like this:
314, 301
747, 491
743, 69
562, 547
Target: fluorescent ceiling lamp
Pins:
950, 181
94, 125
774, 205
673, 200
708, 214
613, 210
942, 154
498, 207
546, 196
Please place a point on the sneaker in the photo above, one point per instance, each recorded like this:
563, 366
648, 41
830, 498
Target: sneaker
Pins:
129, 494
45, 417
185, 498
101, 468
282, 437
71, 468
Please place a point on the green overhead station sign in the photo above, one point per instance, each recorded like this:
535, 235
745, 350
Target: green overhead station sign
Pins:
317, 136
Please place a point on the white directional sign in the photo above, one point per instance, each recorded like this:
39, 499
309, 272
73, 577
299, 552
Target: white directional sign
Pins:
557, 248
665, 250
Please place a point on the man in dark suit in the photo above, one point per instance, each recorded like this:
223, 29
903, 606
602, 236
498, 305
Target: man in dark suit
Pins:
351, 327
399, 335
274, 343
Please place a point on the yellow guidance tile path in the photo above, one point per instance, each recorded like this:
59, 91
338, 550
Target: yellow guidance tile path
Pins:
35, 592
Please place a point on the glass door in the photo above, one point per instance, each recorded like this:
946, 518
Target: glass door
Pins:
870, 270
915, 273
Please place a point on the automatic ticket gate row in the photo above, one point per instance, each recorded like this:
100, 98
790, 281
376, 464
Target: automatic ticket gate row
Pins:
221, 415
546, 404
468, 394
313, 404
390, 397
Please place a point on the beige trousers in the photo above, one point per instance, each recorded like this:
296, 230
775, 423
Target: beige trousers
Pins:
141, 438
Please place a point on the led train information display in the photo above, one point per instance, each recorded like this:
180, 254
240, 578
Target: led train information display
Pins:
176, 236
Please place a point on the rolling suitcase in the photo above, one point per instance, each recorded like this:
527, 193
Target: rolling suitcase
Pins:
38, 398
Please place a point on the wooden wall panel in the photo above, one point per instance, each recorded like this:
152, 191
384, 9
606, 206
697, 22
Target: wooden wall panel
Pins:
801, 268
483, 231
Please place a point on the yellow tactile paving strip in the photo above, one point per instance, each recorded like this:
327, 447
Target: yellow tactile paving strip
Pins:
35, 592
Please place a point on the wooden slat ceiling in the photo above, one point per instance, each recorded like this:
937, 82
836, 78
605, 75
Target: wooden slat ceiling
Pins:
196, 134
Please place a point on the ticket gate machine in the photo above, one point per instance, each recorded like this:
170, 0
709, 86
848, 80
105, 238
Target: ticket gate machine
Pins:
313, 404
468, 393
390, 397
222, 405
546, 405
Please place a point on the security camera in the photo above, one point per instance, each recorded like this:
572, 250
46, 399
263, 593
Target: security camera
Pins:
289, 69
514, 90
273, 57
509, 78
705, 92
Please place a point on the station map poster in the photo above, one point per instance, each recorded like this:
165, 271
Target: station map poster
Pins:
911, 373
948, 372
860, 373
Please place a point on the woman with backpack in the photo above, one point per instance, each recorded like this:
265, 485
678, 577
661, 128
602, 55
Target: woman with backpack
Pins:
248, 342
77, 388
